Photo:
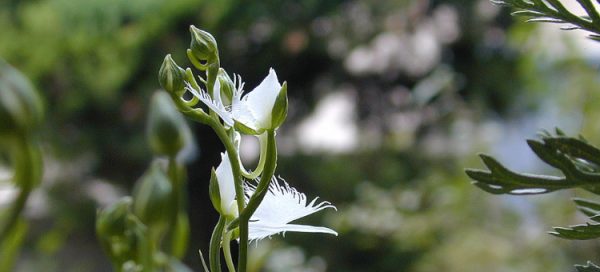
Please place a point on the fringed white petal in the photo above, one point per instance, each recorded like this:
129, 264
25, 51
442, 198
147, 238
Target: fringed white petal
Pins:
214, 104
281, 205
260, 231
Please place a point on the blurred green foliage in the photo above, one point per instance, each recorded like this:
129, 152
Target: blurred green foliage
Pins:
430, 83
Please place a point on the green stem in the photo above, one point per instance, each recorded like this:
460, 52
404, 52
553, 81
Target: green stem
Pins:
233, 158
227, 251
179, 224
26, 156
214, 253
261, 161
257, 197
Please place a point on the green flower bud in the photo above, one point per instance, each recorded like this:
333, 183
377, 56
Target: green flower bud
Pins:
171, 77
167, 131
280, 107
227, 87
21, 107
203, 47
112, 220
152, 197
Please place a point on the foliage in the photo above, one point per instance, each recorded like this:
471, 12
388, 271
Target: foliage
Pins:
553, 11
578, 160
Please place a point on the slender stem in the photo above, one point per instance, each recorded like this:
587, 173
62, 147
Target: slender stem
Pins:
214, 253
261, 188
233, 158
27, 173
227, 251
257, 197
261, 161
178, 228
239, 189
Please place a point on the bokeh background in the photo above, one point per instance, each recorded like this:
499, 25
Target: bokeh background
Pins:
389, 101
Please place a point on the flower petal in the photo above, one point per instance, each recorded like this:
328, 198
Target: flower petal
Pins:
214, 104
281, 205
260, 231
226, 185
260, 101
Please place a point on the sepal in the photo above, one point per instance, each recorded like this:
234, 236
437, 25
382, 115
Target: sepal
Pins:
280, 108
213, 190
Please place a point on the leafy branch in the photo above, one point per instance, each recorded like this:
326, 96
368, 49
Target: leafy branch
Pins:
577, 160
579, 163
553, 11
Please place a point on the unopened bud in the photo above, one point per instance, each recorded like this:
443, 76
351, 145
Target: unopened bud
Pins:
152, 197
203, 46
21, 107
112, 220
167, 130
171, 77
227, 87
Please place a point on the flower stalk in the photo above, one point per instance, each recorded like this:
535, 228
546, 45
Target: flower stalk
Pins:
230, 113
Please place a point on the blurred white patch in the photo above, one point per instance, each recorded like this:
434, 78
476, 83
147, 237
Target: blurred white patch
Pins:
293, 259
103, 192
560, 43
413, 53
249, 149
8, 192
332, 126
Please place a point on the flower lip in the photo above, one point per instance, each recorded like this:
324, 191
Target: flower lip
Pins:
283, 204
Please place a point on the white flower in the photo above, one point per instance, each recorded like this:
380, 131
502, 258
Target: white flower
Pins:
283, 204
226, 187
253, 110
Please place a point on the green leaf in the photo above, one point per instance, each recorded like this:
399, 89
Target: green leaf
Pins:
578, 232
589, 267
500, 180
574, 157
553, 11
587, 207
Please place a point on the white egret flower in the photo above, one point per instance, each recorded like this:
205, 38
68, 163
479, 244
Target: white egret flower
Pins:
283, 204
263, 108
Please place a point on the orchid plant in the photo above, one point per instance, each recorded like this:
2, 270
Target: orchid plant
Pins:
252, 204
